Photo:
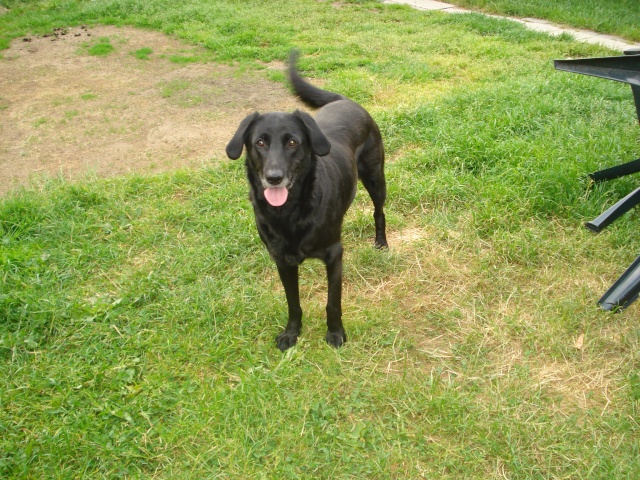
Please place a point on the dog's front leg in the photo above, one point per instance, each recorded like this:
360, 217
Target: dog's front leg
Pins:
336, 335
289, 278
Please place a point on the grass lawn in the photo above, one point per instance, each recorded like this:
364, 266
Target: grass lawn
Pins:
138, 314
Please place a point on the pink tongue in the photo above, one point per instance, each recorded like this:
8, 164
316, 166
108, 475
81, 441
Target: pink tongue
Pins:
276, 196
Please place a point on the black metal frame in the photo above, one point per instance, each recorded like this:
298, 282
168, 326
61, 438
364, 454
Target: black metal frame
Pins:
624, 69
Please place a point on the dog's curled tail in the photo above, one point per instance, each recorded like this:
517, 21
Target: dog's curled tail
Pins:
312, 96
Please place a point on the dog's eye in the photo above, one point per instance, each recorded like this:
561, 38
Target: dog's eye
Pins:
292, 143
260, 143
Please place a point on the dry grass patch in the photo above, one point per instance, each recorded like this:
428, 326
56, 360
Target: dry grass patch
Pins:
118, 113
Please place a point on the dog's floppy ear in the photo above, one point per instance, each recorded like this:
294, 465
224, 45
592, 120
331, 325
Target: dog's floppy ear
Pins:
319, 143
234, 147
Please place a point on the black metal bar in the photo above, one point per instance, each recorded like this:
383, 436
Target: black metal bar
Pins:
615, 212
624, 291
636, 97
616, 172
635, 89
625, 68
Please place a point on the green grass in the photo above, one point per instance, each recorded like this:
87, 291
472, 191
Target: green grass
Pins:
619, 17
139, 313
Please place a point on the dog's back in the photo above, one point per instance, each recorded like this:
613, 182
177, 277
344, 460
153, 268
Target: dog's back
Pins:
342, 120
353, 134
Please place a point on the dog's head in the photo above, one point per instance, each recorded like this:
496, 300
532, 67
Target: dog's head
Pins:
277, 145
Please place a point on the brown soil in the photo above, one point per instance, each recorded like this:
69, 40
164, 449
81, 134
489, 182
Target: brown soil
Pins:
66, 112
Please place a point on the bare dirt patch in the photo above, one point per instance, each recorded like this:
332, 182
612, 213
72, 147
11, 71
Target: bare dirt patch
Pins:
64, 111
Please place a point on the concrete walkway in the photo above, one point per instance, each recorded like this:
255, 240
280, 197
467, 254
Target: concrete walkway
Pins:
609, 41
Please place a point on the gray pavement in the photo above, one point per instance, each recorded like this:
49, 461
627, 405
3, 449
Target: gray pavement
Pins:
609, 41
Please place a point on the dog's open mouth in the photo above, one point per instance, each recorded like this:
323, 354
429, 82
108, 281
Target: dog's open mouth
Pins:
276, 196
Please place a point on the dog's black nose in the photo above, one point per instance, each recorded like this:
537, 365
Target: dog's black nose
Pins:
274, 177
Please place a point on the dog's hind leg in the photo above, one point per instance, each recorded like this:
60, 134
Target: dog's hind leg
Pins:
289, 277
377, 191
336, 335
371, 174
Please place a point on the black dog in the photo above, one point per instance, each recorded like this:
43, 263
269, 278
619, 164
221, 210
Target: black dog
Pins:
302, 176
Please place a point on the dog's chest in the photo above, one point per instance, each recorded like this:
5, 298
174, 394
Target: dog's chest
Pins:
291, 242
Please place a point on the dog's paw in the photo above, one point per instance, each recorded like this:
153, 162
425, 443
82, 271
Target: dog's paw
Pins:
381, 243
336, 339
286, 340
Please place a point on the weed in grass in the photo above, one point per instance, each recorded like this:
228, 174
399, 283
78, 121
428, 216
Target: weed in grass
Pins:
143, 53
70, 114
169, 89
182, 92
39, 122
183, 59
101, 48
62, 100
